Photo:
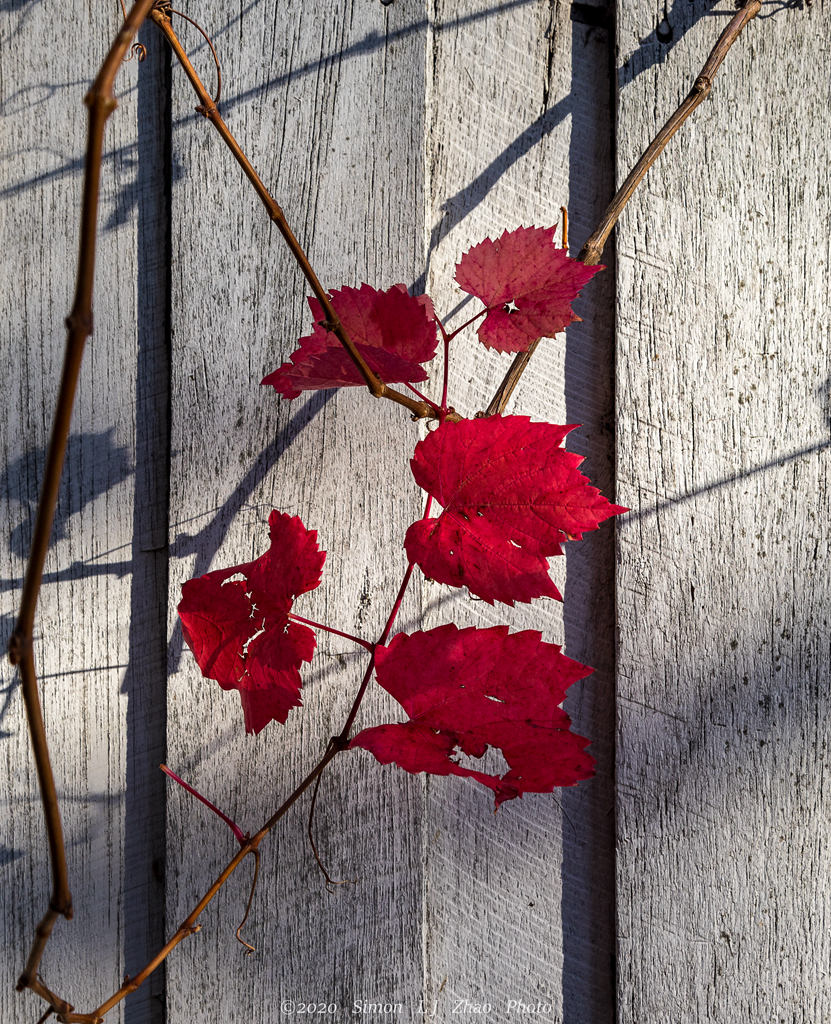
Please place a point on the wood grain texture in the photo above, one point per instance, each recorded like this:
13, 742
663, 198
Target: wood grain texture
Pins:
390, 134
328, 103
519, 906
723, 584
93, 655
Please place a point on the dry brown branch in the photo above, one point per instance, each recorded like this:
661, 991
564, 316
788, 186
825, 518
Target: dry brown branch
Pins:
593, 249
101, 103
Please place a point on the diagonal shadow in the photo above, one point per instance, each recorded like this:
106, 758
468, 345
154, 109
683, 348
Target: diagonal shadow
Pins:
94, 463
22, 7
207, 542
681, 19
672, 26
7, 693
727, 481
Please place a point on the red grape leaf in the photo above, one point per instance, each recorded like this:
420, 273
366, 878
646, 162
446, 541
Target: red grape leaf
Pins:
239, 629
470, 689
394, 331
527, 284
511, 495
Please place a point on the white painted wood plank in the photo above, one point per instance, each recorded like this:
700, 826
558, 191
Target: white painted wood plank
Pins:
327, 100
92, 662
723, 592
519, 906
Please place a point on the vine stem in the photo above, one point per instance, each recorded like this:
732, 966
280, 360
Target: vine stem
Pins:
343, 737
101, 103
458, 330
593, 249
207, 107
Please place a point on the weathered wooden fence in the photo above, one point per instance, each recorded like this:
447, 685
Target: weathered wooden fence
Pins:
686, 882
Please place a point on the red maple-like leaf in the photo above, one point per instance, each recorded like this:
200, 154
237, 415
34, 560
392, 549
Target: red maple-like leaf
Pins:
511, 495
239, 629
469, 689
394, 331
527, 284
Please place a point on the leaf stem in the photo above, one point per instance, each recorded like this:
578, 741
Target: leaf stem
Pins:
445, 368
446, 339
423, 397
396, 607
337, 632
232, 825
593, 249
467, 323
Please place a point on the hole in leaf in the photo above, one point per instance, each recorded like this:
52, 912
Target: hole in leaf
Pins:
492, 761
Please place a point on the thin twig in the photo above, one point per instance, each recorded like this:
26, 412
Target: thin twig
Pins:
189, 926
209, 41
101, 103
593, 249
377, 387
309, 831
256, 855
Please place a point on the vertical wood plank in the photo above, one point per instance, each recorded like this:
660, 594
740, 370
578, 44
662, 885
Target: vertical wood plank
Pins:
327, 100
517, 909
723, 588
92, 659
